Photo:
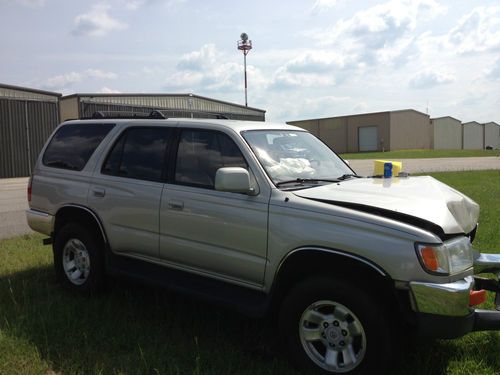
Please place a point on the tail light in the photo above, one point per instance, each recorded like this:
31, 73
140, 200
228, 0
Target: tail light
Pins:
29, 188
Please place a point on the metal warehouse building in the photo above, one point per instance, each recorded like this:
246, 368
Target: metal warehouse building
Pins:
473, 136
27, 117
492, 135
175, 105
446, 133
381, 131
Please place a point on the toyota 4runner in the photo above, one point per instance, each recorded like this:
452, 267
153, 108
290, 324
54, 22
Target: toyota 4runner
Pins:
265, 218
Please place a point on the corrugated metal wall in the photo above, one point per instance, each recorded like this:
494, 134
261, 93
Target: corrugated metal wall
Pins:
473, 136
447, 133
492, 135
87, 109
24, 128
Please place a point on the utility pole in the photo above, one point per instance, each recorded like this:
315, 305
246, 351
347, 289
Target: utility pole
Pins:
245, 45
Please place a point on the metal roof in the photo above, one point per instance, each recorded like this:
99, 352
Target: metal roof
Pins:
25, 93
150, 98
363, 114
443, 117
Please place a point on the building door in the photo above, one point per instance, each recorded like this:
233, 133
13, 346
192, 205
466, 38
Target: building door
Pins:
368, 138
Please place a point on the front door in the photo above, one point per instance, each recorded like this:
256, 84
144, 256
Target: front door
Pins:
211, 232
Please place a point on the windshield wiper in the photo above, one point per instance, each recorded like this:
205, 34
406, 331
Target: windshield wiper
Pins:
302, 180
349, 175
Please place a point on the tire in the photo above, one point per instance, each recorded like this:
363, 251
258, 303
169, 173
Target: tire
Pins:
79, 259
331, 326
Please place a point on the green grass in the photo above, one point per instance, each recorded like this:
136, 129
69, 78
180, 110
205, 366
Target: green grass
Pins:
415, 154
132, 329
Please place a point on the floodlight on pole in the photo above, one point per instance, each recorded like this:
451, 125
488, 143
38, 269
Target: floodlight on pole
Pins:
245, 45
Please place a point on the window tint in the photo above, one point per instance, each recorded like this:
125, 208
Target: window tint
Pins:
201, 153
73, 144
139, 153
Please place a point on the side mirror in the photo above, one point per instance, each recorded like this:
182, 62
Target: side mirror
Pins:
234, 180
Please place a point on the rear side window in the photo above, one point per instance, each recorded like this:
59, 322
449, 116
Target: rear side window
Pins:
139, 153
73, 145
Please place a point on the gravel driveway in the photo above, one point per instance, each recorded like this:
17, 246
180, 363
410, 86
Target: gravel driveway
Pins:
13, 190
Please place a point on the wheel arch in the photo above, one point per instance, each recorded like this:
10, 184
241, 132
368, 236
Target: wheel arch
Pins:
306, 262
81, 215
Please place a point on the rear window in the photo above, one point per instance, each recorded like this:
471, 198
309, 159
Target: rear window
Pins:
73, 145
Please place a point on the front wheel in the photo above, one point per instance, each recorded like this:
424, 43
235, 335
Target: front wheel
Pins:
333, 327
78, 258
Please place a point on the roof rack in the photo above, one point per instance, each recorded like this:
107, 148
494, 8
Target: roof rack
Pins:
173, 113
125, 115
158, 114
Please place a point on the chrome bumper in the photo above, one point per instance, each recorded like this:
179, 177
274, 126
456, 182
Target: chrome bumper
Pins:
40, 221
487, 263
450, 299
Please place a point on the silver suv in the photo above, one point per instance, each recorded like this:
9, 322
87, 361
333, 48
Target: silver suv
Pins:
267, 219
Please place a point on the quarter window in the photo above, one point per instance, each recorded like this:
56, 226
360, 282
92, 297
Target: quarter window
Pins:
139, 153
201, 153
73, 145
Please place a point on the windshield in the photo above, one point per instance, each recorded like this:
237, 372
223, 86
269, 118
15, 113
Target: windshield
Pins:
289, 155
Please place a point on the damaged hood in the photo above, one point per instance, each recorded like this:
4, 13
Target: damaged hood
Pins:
423, 198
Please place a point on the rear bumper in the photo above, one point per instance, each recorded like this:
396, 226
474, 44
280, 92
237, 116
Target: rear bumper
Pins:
40, 221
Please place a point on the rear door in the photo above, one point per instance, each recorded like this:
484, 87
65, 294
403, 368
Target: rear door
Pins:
126, 191
213, 232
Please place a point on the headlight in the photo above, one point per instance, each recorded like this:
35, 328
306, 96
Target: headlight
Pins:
449, 258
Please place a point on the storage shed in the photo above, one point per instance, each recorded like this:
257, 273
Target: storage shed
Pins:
446, 133
173, 105
27, 117
380, 131
473, 136
492, 135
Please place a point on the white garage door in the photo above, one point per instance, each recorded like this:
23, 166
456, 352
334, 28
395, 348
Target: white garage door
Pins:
368, 138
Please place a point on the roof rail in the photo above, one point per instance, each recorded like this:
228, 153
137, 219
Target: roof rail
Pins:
190, 113
157, 114
122, 115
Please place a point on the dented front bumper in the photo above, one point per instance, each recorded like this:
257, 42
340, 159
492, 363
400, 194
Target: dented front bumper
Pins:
445, 311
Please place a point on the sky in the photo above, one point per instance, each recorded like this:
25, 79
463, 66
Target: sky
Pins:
310, 59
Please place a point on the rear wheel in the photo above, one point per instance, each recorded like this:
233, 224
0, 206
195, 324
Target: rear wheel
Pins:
78, 258
330, 326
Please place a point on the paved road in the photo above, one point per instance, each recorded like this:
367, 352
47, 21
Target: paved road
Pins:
13, 191
12, 205
365, 167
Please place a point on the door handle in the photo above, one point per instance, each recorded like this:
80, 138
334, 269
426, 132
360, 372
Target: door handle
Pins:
99, 192
176, 205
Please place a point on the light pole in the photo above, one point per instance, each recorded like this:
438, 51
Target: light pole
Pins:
245, 45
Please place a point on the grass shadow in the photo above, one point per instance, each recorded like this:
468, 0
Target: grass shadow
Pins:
136, 329
132, 329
